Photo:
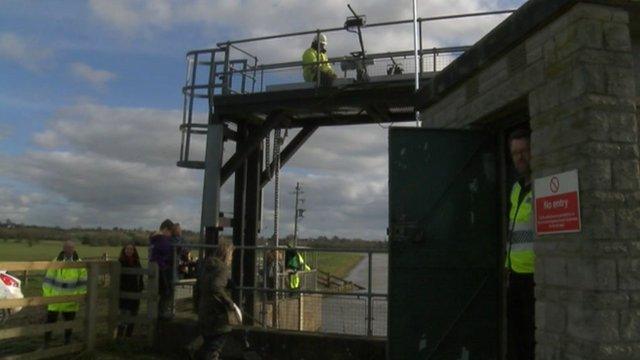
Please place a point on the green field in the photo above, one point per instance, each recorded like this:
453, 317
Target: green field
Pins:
338, 264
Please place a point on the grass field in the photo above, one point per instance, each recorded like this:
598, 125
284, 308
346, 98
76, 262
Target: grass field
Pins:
338, 264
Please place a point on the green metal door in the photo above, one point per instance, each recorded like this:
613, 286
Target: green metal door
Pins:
444, 245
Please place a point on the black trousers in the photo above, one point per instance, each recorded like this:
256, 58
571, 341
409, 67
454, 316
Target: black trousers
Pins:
520, 317
212, 346
326, 79
52, 317
165, 293
124, 328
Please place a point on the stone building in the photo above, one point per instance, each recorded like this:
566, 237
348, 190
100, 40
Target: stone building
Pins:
571, 70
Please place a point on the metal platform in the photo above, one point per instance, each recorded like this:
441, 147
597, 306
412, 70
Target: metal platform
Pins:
228, 96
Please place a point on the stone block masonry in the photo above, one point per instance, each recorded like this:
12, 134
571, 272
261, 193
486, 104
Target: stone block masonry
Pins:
578, 75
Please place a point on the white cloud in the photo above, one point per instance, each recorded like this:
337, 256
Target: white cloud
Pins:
109, 167
95, 77
47, 139
24, 52
116, 167
16, 206
220, 20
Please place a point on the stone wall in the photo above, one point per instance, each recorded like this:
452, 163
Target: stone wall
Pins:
584, 117
577, 74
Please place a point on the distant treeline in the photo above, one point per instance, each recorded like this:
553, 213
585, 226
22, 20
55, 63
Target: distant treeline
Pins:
118, 236
333, 242
93, 237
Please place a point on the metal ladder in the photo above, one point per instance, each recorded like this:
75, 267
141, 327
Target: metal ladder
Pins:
210, 73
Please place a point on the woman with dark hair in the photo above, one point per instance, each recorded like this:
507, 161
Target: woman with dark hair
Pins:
212, 301
129, 258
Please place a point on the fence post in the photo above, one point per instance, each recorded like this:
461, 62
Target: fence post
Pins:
114, 298
152, 301
301, 312
369, 290
91, 308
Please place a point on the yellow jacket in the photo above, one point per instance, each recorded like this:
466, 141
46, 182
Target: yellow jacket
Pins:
310, 60
59, 282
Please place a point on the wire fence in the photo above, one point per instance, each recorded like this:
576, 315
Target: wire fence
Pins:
355, 304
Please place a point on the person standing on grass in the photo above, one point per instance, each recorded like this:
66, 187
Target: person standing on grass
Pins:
60, 282
129, 259
160, 252
212, 301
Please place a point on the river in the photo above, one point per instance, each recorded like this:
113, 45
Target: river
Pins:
346, 314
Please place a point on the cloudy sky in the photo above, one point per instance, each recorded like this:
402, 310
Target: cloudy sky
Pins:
90, 105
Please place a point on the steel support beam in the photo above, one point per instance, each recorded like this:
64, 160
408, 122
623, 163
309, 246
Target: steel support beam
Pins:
288, 152
356, 119
239, 208
251, 228
242, 152
211, 190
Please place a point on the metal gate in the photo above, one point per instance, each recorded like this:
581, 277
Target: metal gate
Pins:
444, 249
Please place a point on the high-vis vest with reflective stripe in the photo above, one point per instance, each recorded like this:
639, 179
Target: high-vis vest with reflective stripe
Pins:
59, 282
294, 278
521, 257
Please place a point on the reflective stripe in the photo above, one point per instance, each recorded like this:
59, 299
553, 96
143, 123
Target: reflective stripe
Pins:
64, 284
521, 256
521, 237
294, 281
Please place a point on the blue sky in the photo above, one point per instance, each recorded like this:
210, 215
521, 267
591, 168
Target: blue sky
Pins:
90, 103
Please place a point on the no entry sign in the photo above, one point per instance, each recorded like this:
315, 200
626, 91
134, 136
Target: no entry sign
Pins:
557, 203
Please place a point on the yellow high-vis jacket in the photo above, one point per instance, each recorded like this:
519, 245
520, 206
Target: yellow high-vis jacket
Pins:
521, 258
59, 282
310, 60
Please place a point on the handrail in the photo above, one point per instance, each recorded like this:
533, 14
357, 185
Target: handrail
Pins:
40, 300
287, 64
46, 265
309, 32
298, 248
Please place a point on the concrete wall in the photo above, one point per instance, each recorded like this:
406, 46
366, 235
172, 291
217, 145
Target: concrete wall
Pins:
577, 75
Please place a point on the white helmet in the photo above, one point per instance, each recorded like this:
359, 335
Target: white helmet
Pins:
321, 38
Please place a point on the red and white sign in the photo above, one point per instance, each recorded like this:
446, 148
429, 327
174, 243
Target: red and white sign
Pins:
557, 203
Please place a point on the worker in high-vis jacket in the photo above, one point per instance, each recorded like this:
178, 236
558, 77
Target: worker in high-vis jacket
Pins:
60, 282
294, 262
520, 256
315, 62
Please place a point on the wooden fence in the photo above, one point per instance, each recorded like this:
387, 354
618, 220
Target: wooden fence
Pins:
92, 312
334, 282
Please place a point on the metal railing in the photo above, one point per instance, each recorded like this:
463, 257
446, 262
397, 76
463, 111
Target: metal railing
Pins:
227, 46
355, 310
229, 69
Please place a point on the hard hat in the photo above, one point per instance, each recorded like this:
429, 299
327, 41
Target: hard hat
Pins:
321, 38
